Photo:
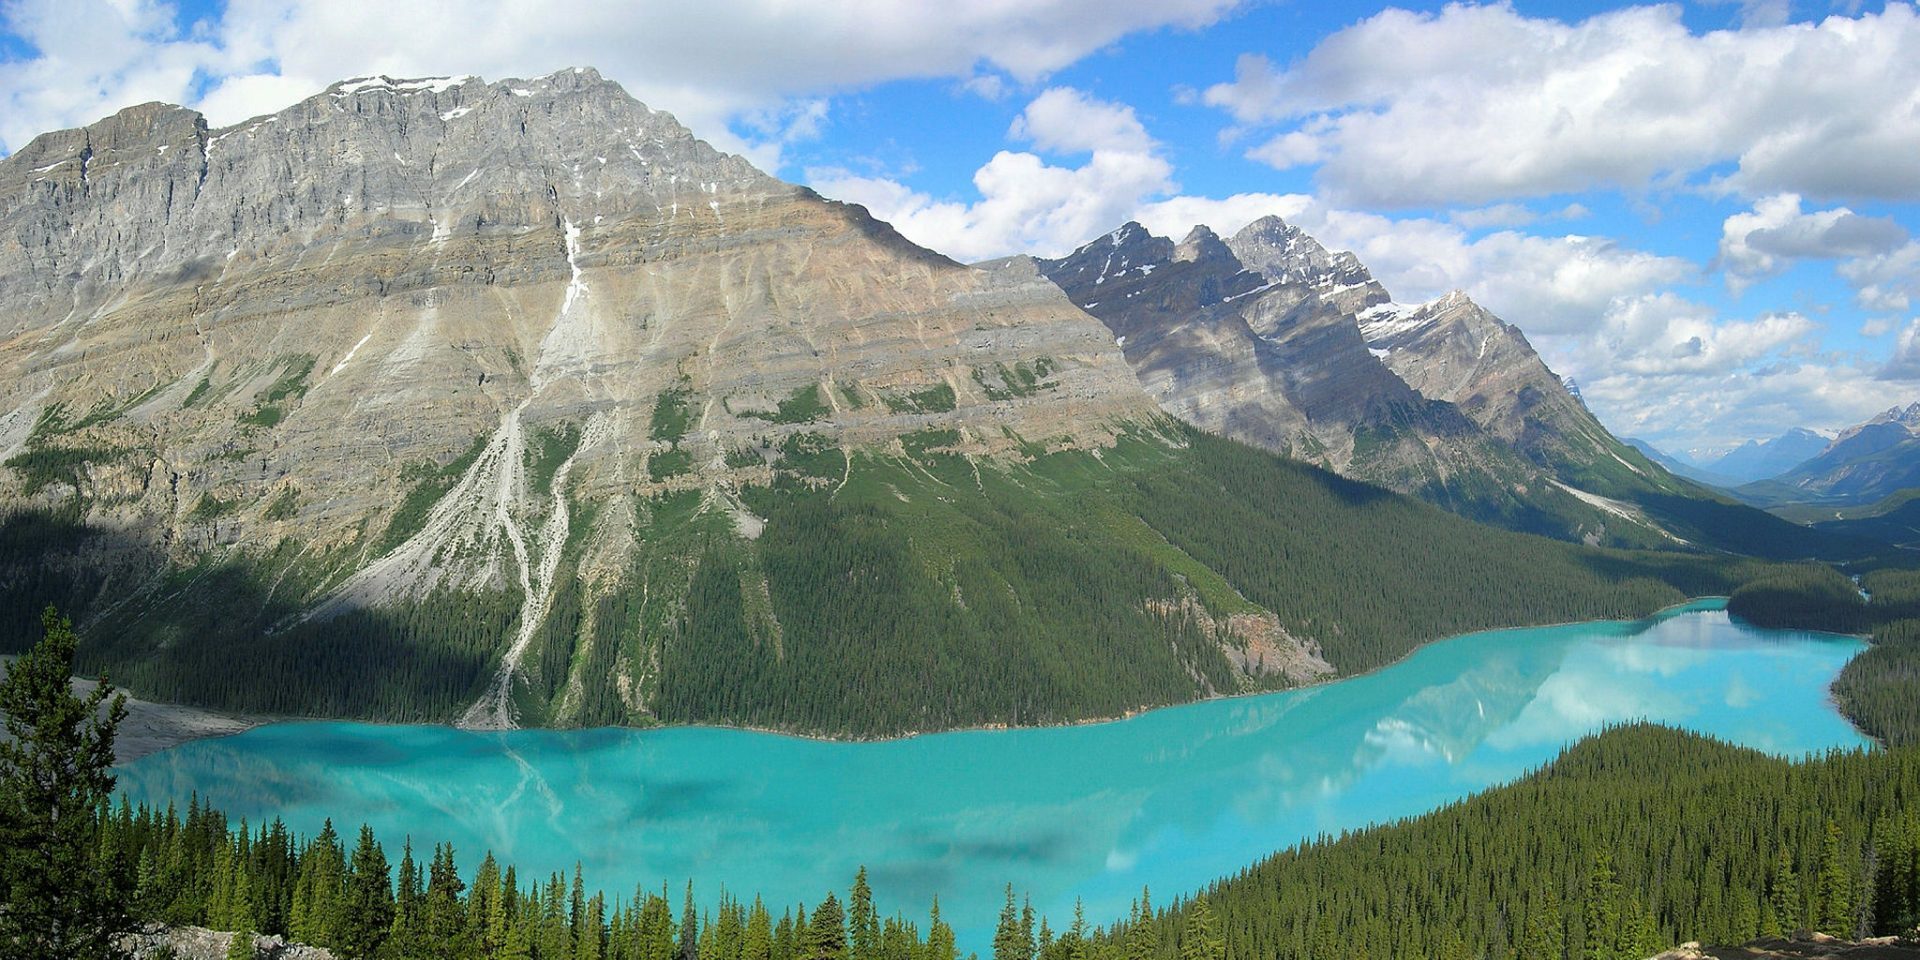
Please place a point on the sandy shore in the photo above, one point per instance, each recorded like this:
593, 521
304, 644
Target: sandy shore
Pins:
153, 727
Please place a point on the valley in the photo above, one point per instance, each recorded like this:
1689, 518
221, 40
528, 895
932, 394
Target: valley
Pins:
500, 472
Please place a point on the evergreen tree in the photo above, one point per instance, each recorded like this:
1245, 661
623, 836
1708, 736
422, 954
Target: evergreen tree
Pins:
1006, 936
55, 775
240, 945
1783, 896
445, 908
1546, 931
689, 928
940, 942
1836, 910
863, 922
1605, 924
1201, 939
368, 915
757, 942
407, 937
1143, 937
827, 932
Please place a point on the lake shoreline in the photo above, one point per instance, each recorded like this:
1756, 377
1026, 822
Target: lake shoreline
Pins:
175, 724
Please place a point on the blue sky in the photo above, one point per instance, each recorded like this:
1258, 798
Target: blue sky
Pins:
1702, 212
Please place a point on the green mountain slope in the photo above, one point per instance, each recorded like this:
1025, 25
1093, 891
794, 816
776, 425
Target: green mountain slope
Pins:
862, 592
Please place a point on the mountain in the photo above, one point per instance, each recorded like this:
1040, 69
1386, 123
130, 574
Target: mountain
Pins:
1761, 459
1677, 466
515, 403
1269, 338
1863, 464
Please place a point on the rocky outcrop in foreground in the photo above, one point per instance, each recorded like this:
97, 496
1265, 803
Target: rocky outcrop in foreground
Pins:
1803, 947
158, 942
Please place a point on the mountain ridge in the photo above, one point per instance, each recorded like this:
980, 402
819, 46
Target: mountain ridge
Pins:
515, 403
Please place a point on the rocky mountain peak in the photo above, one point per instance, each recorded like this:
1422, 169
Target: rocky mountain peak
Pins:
1286, 254
1201, 243
1908, 415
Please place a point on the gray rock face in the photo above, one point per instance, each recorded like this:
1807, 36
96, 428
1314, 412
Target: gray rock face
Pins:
268, 335
1270, 338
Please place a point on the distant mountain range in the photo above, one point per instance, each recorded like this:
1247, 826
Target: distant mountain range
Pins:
1863, 464
515, 403
1680, 467
1765, 459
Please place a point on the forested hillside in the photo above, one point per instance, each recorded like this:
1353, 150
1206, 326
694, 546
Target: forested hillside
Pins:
861, 593
1631, 842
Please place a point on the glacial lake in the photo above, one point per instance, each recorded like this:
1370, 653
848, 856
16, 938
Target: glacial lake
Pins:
1173, 798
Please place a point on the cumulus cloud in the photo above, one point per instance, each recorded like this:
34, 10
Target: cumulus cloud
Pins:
1905, 362
1545, 284
1670, 370
1026, 204
1766, 240
707, 61
1476, 104
1889, 281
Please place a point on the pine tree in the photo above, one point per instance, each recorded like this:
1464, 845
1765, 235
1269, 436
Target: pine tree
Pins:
368, 915
757, 942
689, 928
1836, 910
863, 922
1783, 896
55, 774
1143, 935
1604, 921
1201, 939
445, 908
409, 907
1006, 936
240, 945
940, 942
1546, 937
827, 932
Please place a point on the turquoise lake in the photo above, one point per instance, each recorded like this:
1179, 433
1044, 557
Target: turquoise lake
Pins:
1173, 798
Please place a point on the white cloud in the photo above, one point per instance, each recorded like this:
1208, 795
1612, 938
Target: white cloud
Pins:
1889, 281
1065, 120
1905, 362
1027, 205
1477, 104
1766, 240
1174, 216
707, 61
1497, 215
1544, 284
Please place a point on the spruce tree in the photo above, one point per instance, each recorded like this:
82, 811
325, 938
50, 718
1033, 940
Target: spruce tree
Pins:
863, 922
940, 942
757, 942
827, 932
368, 913
56, 899
1836, 911
1006, 936
240, 945
1784, 896
1201, 939
689, 928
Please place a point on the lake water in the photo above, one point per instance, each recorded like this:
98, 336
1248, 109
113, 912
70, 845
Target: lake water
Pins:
1172, 798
